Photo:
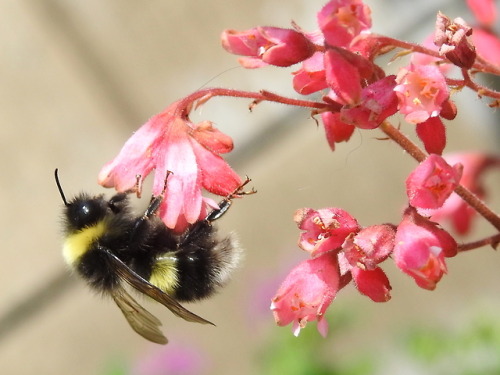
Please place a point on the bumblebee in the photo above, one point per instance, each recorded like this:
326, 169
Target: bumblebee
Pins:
110, 247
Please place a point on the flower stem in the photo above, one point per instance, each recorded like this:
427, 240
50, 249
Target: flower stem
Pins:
206, 94
493, 241
462, 191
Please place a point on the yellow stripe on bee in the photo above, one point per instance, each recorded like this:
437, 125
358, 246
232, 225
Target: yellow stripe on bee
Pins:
164, 274
79, 243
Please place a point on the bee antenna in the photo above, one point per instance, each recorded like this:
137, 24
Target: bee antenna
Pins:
60, 188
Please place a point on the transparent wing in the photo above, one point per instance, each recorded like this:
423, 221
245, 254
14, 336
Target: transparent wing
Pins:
144, 286
141, 320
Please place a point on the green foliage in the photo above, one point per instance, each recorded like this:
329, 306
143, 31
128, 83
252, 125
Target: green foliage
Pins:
472, 350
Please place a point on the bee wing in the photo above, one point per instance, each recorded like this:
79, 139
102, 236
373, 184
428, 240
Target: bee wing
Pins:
144, 286
140, 319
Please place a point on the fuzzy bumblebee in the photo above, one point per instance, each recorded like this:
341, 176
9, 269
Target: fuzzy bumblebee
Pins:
110, 247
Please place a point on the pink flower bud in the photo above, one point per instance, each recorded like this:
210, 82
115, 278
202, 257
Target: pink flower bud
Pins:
432, 133
268, 45
336, 130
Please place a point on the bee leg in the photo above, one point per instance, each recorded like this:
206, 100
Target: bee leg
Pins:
226, 202
151, 210
203, 228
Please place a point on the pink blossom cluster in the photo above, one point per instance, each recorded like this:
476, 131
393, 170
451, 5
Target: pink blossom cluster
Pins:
338, 60
338, 63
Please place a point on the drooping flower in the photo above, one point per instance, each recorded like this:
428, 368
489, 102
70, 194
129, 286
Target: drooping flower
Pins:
170, 142
311, 76
420, 249
325, 229
347, 73
455, 209
452, 38
378, 101
268, 45
432, 182
361, 254
421, 91
306, 293
342, 20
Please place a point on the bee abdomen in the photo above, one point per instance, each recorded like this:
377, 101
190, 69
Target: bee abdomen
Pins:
201, 271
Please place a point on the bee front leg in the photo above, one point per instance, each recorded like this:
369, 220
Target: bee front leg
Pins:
226, 202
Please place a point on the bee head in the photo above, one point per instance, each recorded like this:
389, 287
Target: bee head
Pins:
83, 211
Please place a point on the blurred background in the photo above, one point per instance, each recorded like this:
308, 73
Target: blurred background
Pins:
78, 78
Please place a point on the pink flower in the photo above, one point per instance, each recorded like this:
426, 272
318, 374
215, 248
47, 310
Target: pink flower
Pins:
432, 182
361, 254
420, 249
335, 129
421, 91
325, 229
311, 77
169, 142
306, 293
347, 73
455, 209
342, 20
452, 38
268, 45
378, 101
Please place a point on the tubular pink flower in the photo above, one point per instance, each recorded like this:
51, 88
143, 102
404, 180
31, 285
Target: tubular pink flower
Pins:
421, 91
335, 129
268, 45
432, 182
420, 249
347, 73
361, 254
167, 142
311, 77
306, 293
370, 246
378, 101
342, 20
455, 209
325, 229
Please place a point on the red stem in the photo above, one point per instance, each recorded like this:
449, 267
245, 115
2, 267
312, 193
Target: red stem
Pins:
493, 241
